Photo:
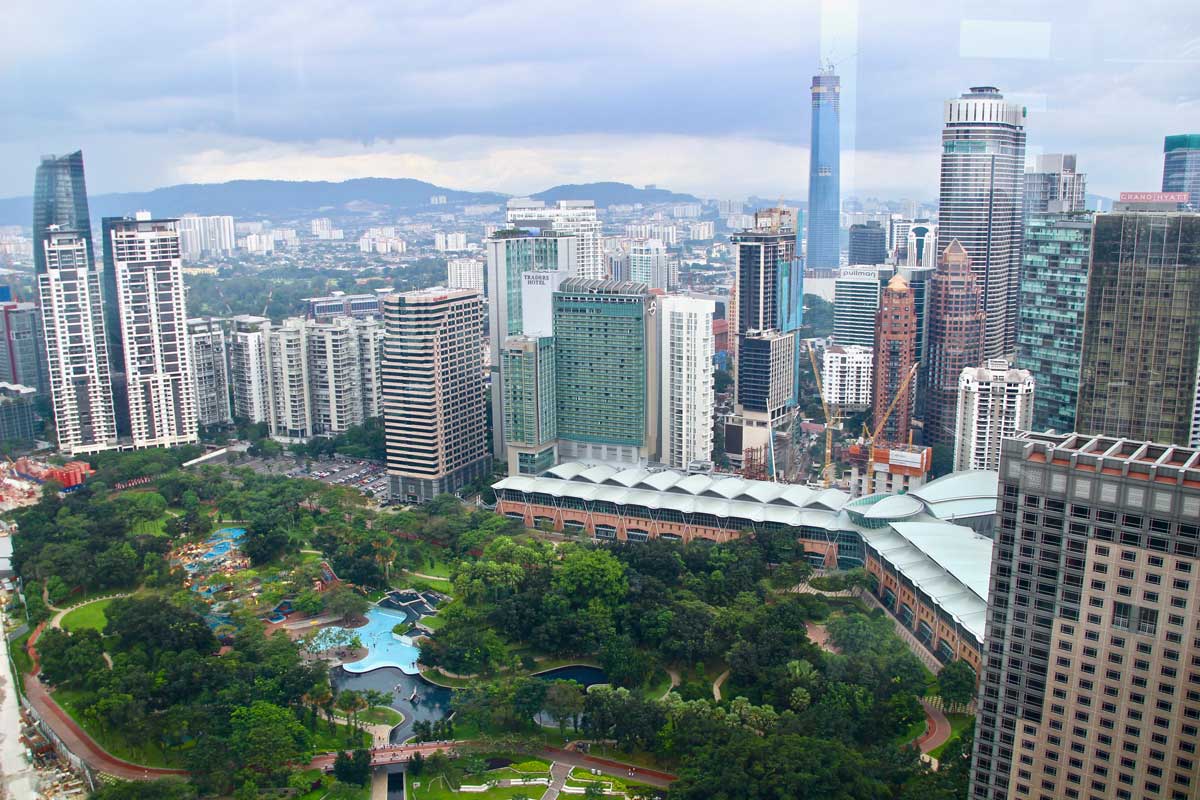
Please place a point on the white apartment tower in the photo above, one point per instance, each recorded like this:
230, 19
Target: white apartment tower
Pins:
994, 402
846, 376
434, 401
686, 348
248, 368
210, 368
200, 236
76, 349
290, 405
649, 263
464, 273
150, 297
569, 216
344, 372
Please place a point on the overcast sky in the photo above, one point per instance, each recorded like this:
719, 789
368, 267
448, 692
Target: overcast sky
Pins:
705, 96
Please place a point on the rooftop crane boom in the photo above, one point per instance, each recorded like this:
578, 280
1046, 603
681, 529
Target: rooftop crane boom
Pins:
871, 435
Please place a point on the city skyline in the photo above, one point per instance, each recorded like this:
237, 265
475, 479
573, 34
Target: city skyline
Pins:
237, 95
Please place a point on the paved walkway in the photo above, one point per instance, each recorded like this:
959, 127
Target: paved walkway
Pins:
937, 729
819, 635
718, 683
675, 681
558, 779
609, 766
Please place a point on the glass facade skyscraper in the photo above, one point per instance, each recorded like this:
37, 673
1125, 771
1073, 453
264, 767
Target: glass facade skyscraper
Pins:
1054, 276
982, 182
824, 188
1141, 334
1181, 166
601, 365
60, 198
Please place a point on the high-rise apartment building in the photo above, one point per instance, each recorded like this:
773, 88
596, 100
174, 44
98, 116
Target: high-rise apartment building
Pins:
1181, 166
894, 356
147, 268
69, 295
76, 347
248, 371
576, 217
434, 403
344, 363
22, 351
846, 376
1054, 186
530, 408
511, 254
982, 179
606, 370
1141, 335
855, 305
686, 356
464, 273
994, 402
649, 264
1091, 641
206, 236
1054, 278
824, 187
868, 243
956, 332
210, 370
290, 402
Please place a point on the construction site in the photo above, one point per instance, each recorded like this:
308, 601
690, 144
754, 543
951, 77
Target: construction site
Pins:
21, 480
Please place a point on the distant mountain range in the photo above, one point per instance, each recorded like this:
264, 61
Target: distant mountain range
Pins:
284, 199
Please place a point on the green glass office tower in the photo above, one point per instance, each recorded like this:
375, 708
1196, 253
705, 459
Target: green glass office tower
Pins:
530, 429
603, 361
60, 198
1141, 334
1054, 276
1181, 166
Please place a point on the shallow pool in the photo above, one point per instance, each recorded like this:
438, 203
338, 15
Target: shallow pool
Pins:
383, 649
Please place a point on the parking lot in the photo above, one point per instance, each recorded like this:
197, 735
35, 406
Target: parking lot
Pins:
368, 477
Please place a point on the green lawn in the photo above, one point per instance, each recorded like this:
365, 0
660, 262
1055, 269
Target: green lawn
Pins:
958, 724
324, 741
911, 733
151, 527
114, 741
90, 615
21, 661
440, 568
436, 584
359, 793
381, 715
659, 683
433, 623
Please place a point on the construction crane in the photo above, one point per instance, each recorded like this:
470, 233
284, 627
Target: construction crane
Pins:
879, 424
833, 419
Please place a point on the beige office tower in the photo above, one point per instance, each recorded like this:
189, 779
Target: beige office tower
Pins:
1091, 683
150, 296
433, 392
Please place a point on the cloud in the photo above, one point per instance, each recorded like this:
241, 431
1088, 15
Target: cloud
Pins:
515, 95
